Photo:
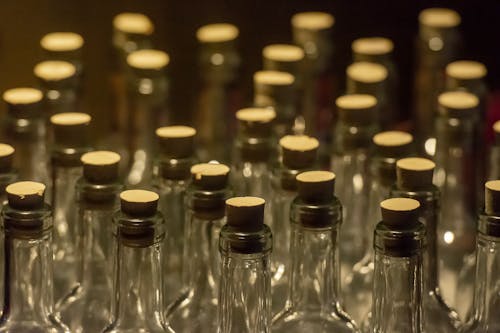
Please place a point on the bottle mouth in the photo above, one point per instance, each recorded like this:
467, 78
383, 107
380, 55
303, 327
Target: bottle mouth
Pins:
32, 224
399, 243
258, 242
489, 225
139, 232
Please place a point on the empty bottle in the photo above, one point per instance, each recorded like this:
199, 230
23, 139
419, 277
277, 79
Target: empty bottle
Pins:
65, 46
87, 308
27, 227
195, 308
313, 303
493, 169
485, 315
137, 299
245, 282
414, 180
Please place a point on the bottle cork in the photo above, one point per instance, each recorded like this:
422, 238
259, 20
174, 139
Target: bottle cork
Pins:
414, 173
217, 33
70, 128
357, 108
139, 203
256, 122
367, 72
393, 143
316, 187
210, 176
466, 70
62, 42
372, 46
400, 213
299, 151
313, 21
6, 157
25, 195
147, 62
55, 71
458, 104
245, 214
271, 87
439, 18
133, 23
24, 102
283, 57
496, 130
492, 197
176, 141
100, 167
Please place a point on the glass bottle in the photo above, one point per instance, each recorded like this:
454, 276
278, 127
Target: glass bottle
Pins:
352, 134
313, 32
380, 50
277, 90
175, 158
372, 79
147, 108
414, 181
313, 303
195, 308
437, 44
27, 228
485, 315
388, 148
219, 97
298, 154
137, 301
253, 150
493, 169
65, 46
399, 242
25, 129
70, 133
87, 308
455, 176
245, 246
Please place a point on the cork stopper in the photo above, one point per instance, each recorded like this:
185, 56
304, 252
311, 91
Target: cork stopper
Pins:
439, 18
100, 167
400, 213
25, 195
61, 42
148, 59
316, 187
372, 46
256, 122
283, 53
298, 151
246, 214
273, 78
492, 197
133, 23
457, 104
176, 141
466, 70
313, 21
54, 70
393, 143
217, 33
357, 108
6, 157
210, 176
366, 72
139, 203
70, 128
22, 96
414, 173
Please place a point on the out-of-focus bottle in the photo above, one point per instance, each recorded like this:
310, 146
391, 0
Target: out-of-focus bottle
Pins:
284, 58
371, 78
147, 95
219, 64
245, 283
455, 175
485, 315
65, 46
414, 181
277, 90
388, 148
254, 146
175, 158
70, 133
312, 31
137, 300
399, 242
195, 308
493, 169
357, 124
313, 303
380, 50
87, 308
438, 43
27, 228
25, 129
298, 154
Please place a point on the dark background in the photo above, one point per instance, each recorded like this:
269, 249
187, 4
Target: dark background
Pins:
24, 22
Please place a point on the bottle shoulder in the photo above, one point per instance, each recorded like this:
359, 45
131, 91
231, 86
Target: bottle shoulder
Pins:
290, 321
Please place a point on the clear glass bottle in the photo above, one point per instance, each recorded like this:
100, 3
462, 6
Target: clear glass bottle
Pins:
147, 108
137, 301
194, 310
298, 154
485, 315
65, 46
171, 178
25, 129
414, 180
399, 242
388, 148
27, 228
253, 150
352, 135
455, 176
313, 303
219, 96
70, 142
245, 283
493, 168
87, 308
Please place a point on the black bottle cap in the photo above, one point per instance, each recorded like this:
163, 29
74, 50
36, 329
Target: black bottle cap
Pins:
139, 203
492, 197
24, 103
400, 213
70, 128
393, 143
6, 157
374, 49
272, 87
299, 151
246, 214
25, 195
256, 122
357, 108
283, 57
176, 141
362, 76
100, 167
414, 173
316, 187
458, 104
148, 62
210, 176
